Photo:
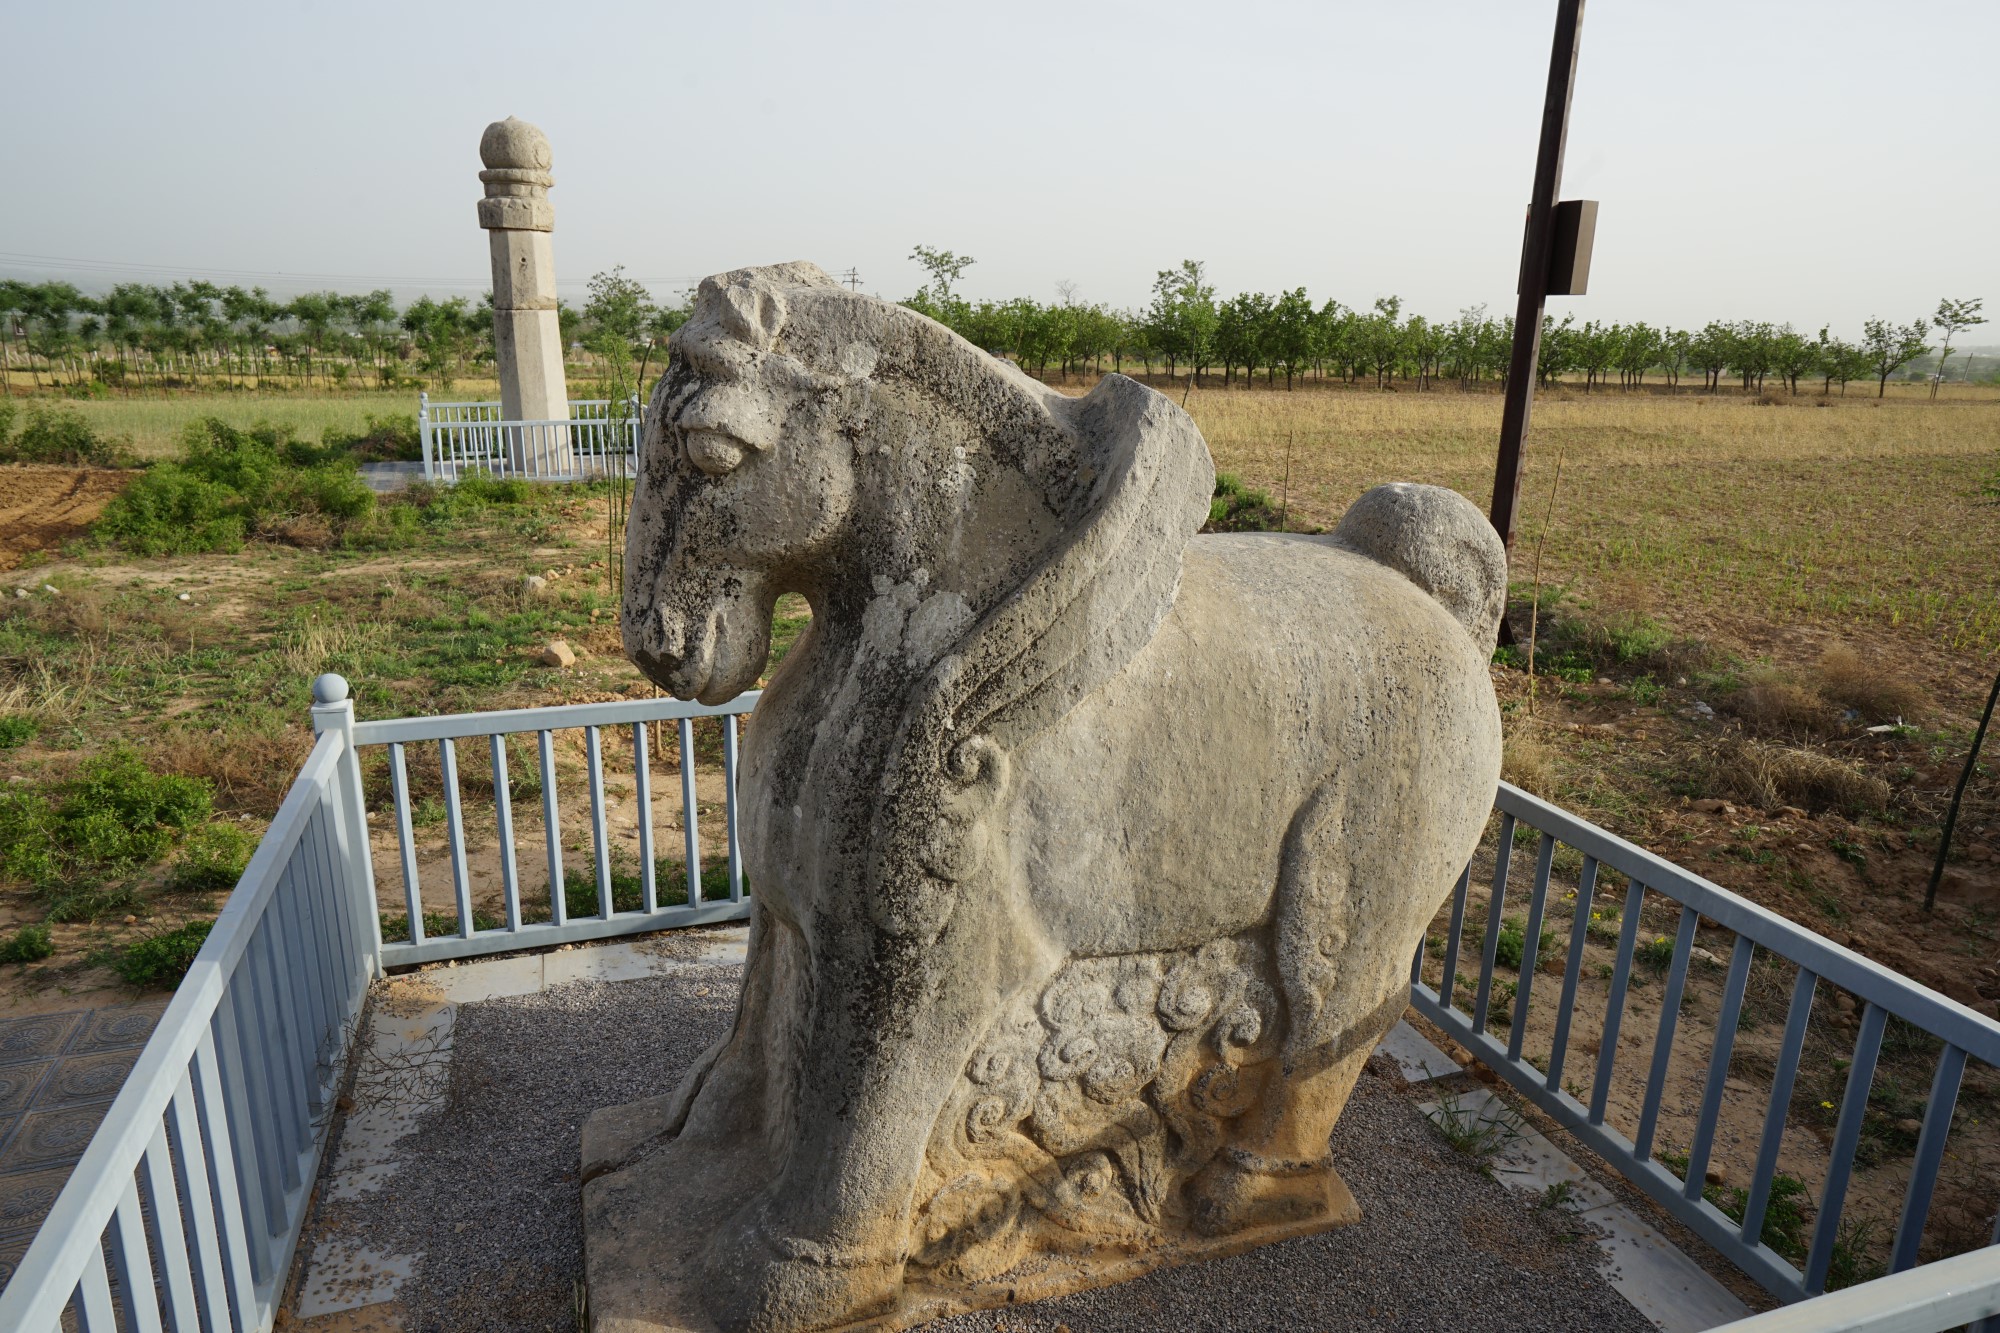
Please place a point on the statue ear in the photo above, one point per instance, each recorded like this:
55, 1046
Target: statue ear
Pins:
753, 313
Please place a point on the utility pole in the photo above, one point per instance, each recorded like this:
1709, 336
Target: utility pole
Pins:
853, 280
1555, 260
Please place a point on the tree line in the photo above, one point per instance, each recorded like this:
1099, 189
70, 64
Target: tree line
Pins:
1187, 327
172, 336
185, 334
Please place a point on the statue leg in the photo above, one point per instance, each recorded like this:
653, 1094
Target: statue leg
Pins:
1345, 901
892, 1024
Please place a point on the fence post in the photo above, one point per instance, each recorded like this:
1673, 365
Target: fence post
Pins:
333, 710
424, 433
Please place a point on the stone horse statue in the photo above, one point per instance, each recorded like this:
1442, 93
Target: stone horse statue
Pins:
1089, 855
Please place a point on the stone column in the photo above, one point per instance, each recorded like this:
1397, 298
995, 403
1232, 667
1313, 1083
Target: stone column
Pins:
527, 336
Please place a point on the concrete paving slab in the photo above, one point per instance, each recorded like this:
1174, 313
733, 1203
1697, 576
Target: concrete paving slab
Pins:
488, 978
1415, 1055
345, 1276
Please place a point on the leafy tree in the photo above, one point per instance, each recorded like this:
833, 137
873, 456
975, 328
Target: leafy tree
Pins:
1889, 347
1710, 350
1183, 317
1240, 333
1951, 317
945, 269
1793, 355
1292, 333
438, 331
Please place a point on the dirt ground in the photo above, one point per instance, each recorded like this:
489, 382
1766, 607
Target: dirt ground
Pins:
43, 507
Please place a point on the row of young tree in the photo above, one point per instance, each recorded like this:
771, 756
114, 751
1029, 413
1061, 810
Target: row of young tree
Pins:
178, 334
188, 334
1187, 328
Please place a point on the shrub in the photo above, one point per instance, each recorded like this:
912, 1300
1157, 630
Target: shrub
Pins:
212, 859
160, 961
1236, 508
29, 944
230, 484
56, 435
384, 440
15, 731
113, 817
173, 511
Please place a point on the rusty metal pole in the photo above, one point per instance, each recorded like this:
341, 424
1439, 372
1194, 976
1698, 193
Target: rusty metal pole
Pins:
1535, 272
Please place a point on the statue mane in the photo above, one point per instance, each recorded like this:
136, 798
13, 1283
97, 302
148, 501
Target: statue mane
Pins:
1092, 603
1125, 471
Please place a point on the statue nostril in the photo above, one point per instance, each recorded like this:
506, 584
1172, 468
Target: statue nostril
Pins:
713, 452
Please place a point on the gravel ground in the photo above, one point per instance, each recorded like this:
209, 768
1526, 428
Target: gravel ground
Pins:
491, 1199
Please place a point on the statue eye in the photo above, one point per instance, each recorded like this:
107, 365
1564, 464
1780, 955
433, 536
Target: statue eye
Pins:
713, 452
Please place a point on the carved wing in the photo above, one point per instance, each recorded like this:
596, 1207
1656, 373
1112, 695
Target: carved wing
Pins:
1071, 625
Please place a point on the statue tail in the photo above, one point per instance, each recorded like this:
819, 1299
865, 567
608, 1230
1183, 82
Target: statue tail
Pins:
1437, 539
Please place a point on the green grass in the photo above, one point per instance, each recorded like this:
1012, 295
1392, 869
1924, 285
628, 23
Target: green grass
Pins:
153, 426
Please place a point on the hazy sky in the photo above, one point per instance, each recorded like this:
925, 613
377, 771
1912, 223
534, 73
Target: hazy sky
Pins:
1788, 161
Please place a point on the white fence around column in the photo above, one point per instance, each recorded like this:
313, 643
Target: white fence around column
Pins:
600, 438
185, 1207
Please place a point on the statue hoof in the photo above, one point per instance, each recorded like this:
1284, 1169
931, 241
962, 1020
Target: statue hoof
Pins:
768, 1284
1240, 1191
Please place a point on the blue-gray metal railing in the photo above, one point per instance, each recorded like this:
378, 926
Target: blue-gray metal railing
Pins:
185, 1208
598, 439
1880, 993
634, 718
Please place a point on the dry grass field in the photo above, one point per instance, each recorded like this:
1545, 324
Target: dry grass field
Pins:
1765, 628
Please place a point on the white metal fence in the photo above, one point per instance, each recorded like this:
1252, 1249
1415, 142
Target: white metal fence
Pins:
187, 1205
696, 899
1813, 960
600, 438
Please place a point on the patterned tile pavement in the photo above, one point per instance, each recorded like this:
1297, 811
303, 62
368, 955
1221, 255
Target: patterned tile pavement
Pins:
58, 1074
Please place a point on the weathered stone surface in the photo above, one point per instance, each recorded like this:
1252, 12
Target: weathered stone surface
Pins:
1089, 854
613, 1135
527, 336
558, 653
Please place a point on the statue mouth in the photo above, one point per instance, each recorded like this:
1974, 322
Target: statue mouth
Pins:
709, 653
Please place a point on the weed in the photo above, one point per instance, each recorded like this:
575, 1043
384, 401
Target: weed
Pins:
160, 961
30, 944
1872, 691
1513, 942
1850, 1263
1559, 1197
16, 730
113, 817
1645, 691
396, 926
212, 859
1479, 1132
628, 889
1237, 508
1848, 852
1656, 953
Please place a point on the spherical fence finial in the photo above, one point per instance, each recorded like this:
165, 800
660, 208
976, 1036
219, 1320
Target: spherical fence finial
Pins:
330, 688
